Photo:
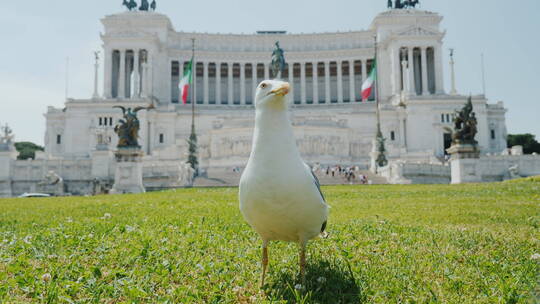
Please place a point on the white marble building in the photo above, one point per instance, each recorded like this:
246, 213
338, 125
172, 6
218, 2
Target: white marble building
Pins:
144, 57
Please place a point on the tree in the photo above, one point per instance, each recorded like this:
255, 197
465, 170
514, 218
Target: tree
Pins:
528, 141
192, 148
27, 149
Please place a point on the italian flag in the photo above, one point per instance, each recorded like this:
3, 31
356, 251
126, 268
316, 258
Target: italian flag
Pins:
367, 86
185, 82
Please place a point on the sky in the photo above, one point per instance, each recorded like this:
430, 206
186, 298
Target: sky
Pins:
40, 36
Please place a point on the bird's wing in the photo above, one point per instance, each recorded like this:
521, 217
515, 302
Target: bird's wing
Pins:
315, 181
137, 109
122, 108
323, 234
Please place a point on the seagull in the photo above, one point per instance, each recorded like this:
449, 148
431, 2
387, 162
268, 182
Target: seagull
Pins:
280, 197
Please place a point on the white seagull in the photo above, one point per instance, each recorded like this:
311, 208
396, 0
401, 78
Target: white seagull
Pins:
280, 197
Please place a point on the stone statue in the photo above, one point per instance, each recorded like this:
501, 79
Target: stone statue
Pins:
278, 61
6, 139
406, 4
144, 5
513, 171
465, 125
52, 183
153, 5
128, 128
131, 5
7, 135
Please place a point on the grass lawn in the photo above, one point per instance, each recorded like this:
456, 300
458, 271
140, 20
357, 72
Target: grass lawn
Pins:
388, 244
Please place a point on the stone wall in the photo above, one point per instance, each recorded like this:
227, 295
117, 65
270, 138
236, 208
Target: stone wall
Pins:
400, 172
82, 176
491, 168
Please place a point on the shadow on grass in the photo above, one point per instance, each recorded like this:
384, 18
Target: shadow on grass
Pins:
326, 282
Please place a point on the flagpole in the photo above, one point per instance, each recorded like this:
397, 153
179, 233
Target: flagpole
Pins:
192, 149
193, 84
381, 160
377, 88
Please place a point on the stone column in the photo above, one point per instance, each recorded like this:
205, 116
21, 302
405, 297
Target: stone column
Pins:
96, 72
136, 76
107, 73
254, 78
352, 91
122, 72
303, 83
230, 88
410, 71
218, 83
327, 97
291, 79
315, 82
242, 83
144, 85
364, 70
396, 64
439, 83
453, 90
205, 82
266, 71
425, 90
405, 88
339, 82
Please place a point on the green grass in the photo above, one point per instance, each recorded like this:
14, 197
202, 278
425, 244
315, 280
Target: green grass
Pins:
387, 244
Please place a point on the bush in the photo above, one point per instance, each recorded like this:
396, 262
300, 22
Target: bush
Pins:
27, 149
528, 141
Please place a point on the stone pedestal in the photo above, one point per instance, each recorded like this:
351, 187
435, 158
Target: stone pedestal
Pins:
7, 157
102, 161
128, 175
464, 163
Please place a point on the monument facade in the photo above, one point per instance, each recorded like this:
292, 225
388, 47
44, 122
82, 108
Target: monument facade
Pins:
144, 58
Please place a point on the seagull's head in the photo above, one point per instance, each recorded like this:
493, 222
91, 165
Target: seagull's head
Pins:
272, 94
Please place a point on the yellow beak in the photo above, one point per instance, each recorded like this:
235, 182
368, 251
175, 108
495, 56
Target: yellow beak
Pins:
282, 90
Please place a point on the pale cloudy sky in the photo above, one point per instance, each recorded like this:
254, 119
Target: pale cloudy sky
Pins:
38, 36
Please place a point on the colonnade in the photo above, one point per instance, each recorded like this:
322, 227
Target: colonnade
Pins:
234, 83
126, 73
417, 70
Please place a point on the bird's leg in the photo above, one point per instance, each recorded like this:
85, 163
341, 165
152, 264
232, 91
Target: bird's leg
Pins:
264, 261
303, 262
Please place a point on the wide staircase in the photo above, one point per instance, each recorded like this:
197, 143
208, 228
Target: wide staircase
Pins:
230, 178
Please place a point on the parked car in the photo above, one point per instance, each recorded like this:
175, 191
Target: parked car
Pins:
34, 195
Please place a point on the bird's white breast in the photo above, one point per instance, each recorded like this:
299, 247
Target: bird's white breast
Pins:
278, 196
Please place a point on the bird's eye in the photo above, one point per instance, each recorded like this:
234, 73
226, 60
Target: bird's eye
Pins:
263, 86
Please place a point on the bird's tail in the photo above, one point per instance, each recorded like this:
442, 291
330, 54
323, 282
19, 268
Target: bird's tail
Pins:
323, 233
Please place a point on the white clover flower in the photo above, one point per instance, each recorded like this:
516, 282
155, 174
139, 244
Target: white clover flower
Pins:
46, 277
69, 220
107, 215
321, 280
130, 228
535, 256
298, 287
200, 267
91, 235
236, 289
27, 239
